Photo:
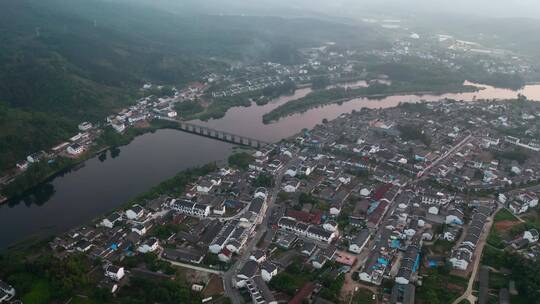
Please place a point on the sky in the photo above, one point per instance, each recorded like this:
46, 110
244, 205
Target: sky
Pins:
352, 8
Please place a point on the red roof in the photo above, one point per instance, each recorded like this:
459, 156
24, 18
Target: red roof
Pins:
226, 252
381, 191
303, 293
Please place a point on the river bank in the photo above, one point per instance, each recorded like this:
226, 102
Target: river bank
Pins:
340, 95
97, 186
101, 184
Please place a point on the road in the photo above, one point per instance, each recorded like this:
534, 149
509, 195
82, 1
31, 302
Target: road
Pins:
228, 276
467, 295
445, 155
190, 266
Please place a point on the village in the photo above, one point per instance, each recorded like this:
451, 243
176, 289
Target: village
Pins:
373, 199
325, 66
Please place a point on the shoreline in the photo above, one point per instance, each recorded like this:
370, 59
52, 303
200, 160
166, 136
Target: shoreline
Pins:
368, 96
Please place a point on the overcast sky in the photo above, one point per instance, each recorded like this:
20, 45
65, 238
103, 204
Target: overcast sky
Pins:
351, 8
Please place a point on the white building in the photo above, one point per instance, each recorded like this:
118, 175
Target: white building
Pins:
75, 149
135, 212
118, 126
7, 292
114, 272
531, 235
150, 245
190, 208
268, 271
111, 220
360, 241
85, 126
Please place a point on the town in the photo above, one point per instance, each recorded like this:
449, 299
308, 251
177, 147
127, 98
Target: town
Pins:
373, 206
321, 67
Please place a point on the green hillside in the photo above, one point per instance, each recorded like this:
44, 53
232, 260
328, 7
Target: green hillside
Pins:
64, 61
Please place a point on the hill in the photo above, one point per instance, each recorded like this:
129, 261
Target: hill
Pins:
62, 62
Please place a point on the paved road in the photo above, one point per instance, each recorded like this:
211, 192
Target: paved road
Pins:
260, 230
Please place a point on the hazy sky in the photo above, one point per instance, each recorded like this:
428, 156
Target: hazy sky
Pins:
351, 8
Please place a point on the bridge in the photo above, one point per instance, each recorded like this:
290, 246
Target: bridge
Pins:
217, 134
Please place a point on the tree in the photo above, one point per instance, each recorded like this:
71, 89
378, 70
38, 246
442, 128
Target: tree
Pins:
264, 180
240, 160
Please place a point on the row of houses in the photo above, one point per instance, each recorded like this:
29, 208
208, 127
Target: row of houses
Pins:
463, 254
305, 230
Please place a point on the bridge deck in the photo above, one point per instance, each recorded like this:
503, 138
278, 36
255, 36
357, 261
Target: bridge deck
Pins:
217, 134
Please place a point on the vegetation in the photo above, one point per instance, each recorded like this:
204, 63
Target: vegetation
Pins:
504, 215
67, 63
143, 290
46, 278
320, 82
438, 286
518, 155
337, 95
188, 108
410, 132
264, 180
177, 184
240, 160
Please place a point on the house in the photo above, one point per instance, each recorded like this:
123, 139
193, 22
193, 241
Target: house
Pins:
183, 255
530, 199
531, 235
135, 212
518, 207
225, 255
258, 256
247, 272
319, 261
455, 216
345, 258
310, 231
75, 149
330, 226
85, 126
111, 220
359, 241
308, 248
410, 262
118, 126
462, 255
268, 271
23, 165
259, 291
114, 272
150, 245
36, 157
7, 292
220, 241
291, 186
190, 208
402, 294
83, 246
138, 228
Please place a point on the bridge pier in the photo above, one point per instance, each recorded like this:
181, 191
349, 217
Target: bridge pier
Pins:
220, 135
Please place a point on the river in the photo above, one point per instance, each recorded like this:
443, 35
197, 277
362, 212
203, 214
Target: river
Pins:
97, 187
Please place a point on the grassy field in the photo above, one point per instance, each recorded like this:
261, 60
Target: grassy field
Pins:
504, 215
363, 296
40, 293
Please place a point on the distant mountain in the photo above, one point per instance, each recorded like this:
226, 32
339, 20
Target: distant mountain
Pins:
64, 61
